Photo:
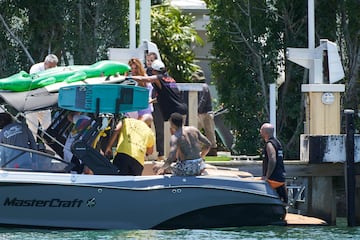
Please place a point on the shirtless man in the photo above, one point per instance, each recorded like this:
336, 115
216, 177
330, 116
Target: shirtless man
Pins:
188, 148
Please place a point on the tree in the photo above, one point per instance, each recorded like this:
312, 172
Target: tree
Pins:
93, 27
175, 36
250, 38
246, 63
12, 38
349, 39
44, 32
80, 32
83, 30
290, 112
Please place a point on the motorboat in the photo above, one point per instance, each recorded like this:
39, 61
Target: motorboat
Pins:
45, 193
69, 200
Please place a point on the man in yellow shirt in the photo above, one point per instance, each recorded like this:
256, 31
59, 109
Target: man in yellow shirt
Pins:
135, 141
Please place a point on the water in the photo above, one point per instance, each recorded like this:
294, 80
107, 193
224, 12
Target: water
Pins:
341, 231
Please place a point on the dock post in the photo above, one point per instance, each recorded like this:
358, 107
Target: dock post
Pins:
349, 168
321, 198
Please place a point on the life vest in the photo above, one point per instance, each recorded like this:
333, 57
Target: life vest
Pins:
279, 171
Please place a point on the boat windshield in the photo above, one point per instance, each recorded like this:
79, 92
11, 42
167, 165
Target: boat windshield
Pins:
18, 158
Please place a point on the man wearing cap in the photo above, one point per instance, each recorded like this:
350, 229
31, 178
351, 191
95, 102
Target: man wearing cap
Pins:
205, 112
168, 95
157, 115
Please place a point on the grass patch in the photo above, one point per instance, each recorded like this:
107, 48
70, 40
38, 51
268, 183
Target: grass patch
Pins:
217, 159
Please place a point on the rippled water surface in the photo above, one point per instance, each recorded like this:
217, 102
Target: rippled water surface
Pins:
269, 232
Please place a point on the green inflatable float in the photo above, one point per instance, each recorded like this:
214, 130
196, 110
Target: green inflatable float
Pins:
24, 81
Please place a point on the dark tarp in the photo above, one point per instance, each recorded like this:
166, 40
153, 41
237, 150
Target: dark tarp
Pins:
30, 100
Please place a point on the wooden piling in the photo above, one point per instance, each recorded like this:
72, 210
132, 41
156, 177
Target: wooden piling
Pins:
349, 168
321, 199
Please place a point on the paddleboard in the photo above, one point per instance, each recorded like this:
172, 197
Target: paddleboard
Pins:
103, 98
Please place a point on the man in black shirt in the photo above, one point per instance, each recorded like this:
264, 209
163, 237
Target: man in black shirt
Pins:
273, 163
168, 95
157, 115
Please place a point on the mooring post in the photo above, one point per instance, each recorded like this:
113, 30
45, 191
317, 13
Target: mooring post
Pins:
349, 167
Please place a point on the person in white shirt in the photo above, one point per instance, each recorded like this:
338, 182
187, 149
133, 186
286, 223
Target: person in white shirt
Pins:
50, 61
33, 119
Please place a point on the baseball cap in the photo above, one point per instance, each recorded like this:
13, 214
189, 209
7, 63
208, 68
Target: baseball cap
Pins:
157, 65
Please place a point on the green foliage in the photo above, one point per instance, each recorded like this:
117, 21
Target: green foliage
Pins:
290, 110
245, 64
95, 26
82, 30
250, 38
174, 35
349, 37
44, 31
249, 41
12, 56
217, 159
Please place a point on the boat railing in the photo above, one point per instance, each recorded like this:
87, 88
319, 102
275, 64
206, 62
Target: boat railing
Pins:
19, 158
296, 195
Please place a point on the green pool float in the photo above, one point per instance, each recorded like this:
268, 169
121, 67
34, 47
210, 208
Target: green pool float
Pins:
24, 81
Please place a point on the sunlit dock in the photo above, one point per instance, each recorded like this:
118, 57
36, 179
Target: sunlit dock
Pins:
300, 220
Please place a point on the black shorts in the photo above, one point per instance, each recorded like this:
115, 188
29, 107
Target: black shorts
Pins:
127, 165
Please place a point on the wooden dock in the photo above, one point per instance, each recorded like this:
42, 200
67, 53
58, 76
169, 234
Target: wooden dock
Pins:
300, 220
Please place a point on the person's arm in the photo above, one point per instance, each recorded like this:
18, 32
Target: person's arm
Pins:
108, 151
151, 142
206, 144
172, 156
204, 151
149, 150
153, 100
150, 79
271, 153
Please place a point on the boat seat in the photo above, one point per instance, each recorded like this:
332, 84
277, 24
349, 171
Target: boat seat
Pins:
92, 158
